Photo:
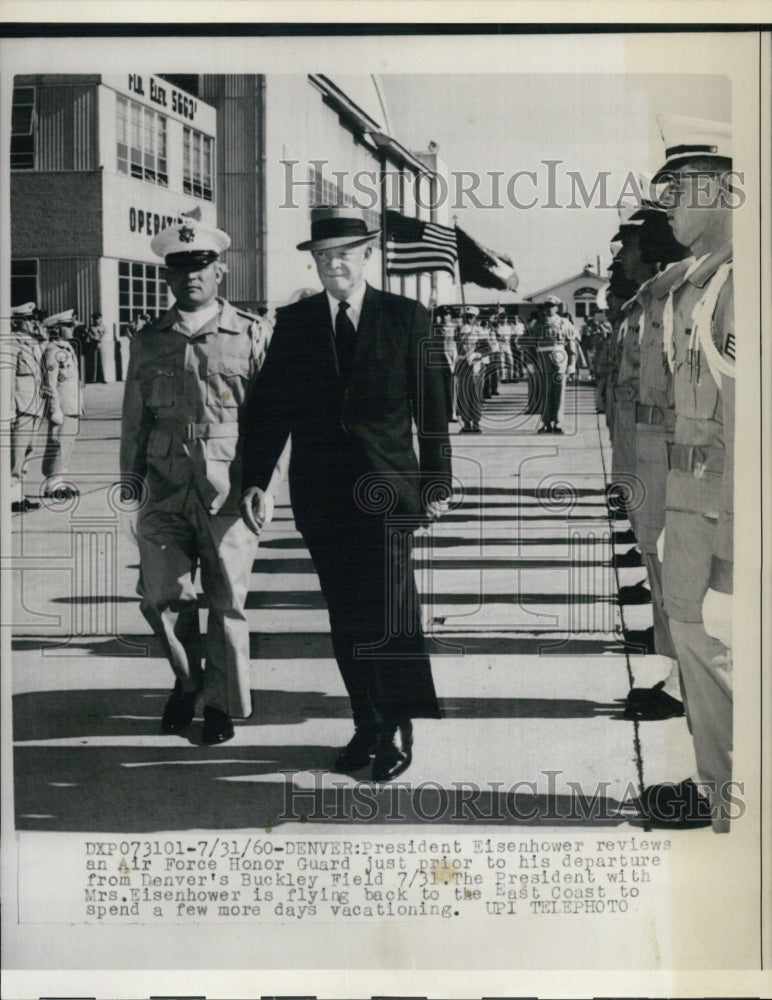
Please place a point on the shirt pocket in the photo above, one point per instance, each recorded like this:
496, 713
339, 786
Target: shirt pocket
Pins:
158, 386
227, 377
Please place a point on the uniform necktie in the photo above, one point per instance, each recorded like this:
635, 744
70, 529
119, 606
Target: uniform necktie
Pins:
345, 341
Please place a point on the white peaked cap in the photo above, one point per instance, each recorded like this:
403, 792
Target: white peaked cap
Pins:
692, 138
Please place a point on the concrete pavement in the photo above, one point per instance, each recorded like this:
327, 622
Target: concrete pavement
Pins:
520, 604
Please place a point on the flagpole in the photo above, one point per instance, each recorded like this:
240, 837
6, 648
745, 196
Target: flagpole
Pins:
384, 259
458, 271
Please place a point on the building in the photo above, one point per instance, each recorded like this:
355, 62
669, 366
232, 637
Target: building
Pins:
99, 164
579, 293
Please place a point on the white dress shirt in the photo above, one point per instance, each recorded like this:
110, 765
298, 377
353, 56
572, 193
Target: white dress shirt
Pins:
354, 310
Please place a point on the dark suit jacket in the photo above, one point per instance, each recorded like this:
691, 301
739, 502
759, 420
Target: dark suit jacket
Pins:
356, 437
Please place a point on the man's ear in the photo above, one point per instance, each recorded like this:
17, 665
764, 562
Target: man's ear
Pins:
368, 251
219, 272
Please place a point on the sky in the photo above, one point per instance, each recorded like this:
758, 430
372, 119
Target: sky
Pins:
588, 123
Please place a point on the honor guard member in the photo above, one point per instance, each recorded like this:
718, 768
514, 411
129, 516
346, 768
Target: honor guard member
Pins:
625, 387
187, 384
556, 353
655, 422
61, 390
27, 350
698, 335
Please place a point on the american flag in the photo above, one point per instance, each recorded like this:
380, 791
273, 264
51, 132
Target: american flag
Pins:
413, 246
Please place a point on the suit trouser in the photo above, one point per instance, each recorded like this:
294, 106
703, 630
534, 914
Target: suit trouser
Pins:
59, 445
706, 668
24, 430
171, 545
366, 575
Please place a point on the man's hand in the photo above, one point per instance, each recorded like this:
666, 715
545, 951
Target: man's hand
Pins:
256, 508
717, 616
55, 414
661, 546
436, 509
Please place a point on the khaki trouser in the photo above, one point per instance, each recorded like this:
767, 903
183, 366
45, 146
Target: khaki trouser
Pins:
59, 445
24, 430
706, 670
171, 545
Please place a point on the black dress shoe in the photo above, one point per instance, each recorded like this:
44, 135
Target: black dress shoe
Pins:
24, 506
652, 704
675, 806
392, 760
357, 752
180, 709
628, 560
637, 594
642, 639
218, 727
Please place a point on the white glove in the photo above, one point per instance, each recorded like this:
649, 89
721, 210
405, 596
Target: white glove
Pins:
661, 546
717, 616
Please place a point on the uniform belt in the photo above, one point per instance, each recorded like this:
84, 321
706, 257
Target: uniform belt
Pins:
552, 346
691, 458
649, 414
190, 431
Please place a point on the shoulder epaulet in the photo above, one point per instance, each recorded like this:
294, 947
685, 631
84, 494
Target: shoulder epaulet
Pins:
250, 317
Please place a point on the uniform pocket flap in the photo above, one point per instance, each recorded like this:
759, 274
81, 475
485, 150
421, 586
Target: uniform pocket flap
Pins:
158, 444
228, 364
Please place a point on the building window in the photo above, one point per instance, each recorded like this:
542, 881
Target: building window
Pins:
141, 289
141, 142
197, 164
23, 129
24, 282
324, 192
585, 302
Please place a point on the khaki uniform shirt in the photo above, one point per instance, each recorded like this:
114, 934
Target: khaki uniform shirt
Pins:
704, 430
61, 377
183, 403
28, 373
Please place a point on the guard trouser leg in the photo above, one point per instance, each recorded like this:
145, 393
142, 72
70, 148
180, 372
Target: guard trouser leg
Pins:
227, 551
59, 445
706, 668
24, 430
168, 559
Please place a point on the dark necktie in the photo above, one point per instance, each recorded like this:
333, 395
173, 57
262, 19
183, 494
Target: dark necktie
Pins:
345, 341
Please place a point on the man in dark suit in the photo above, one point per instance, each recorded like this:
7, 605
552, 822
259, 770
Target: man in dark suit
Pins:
347, 373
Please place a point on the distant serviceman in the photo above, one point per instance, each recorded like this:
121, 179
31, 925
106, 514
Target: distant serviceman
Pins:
62, 393
91, 337
27, 349
556, 353
182, 436
699, 341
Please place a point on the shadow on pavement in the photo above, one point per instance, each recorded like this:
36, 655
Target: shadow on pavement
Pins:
142, 789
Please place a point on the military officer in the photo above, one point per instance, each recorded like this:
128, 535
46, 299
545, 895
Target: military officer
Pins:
655, 421
698, 339
27, 349
182, 435
61, 390
556, 353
